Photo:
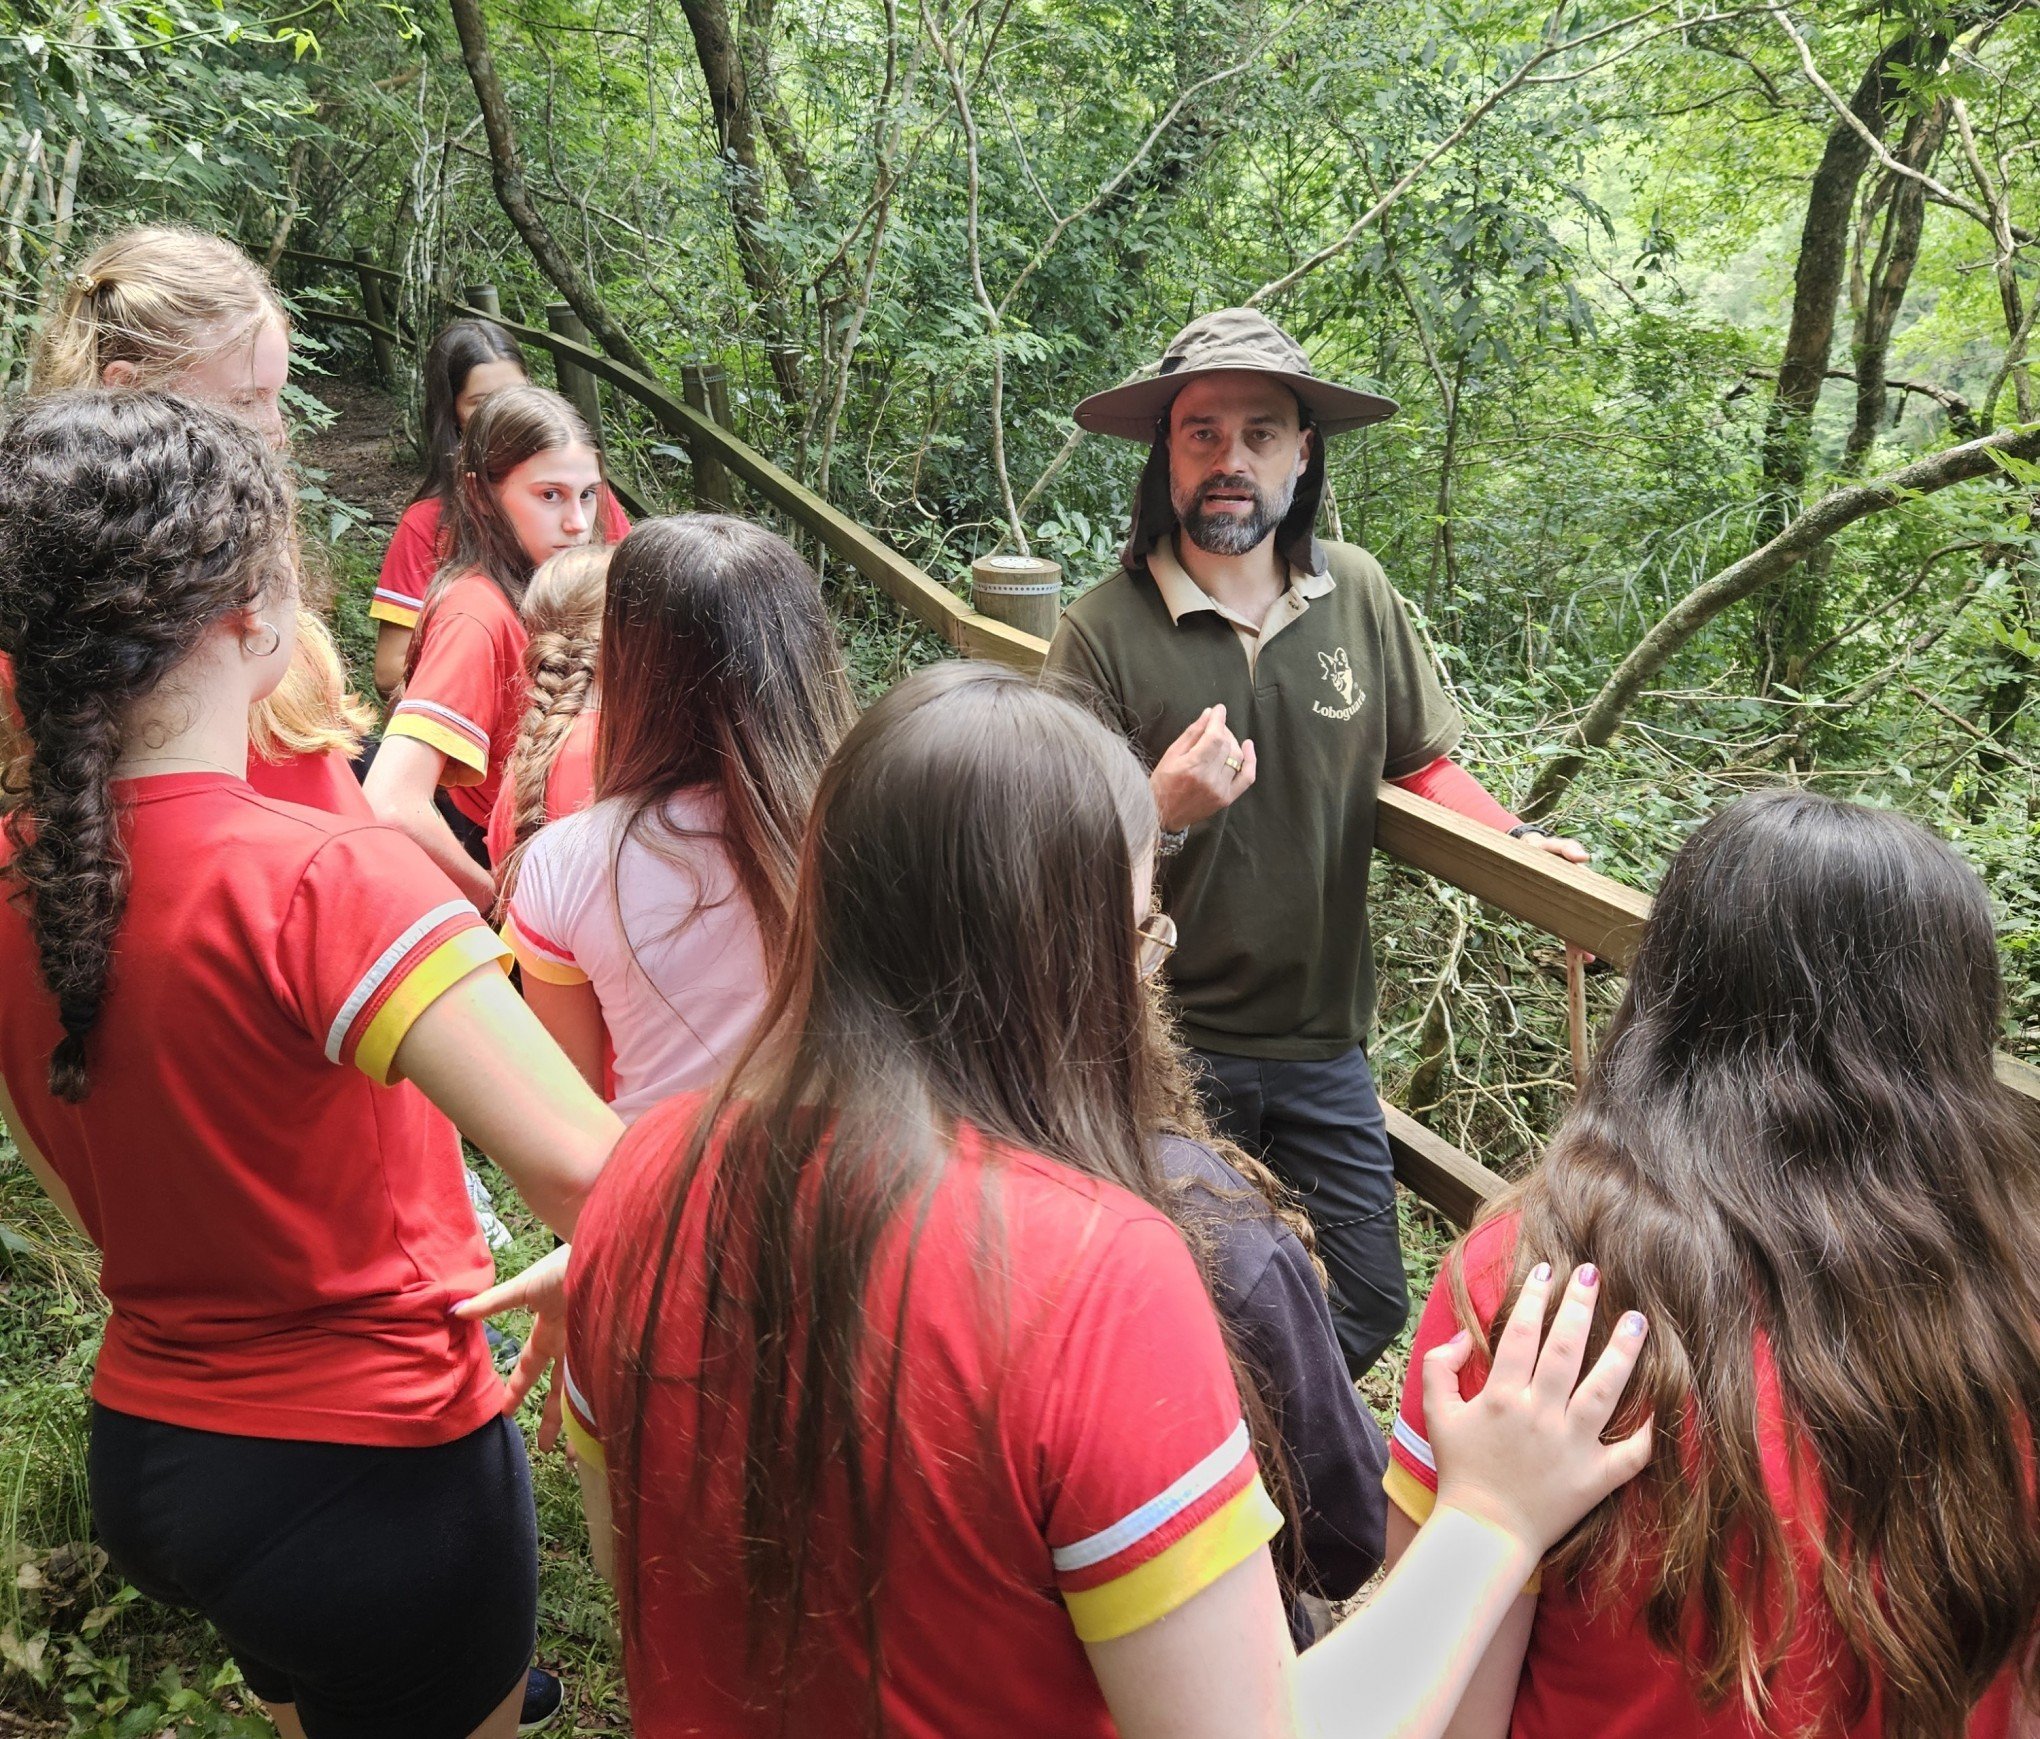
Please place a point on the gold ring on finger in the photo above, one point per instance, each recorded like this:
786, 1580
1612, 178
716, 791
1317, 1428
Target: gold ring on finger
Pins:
1234, 762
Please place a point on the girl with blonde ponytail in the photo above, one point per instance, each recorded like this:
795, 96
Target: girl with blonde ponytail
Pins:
177, 310
552, 769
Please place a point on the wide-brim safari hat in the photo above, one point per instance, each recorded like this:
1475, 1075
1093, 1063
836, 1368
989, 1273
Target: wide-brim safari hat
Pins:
1231, 339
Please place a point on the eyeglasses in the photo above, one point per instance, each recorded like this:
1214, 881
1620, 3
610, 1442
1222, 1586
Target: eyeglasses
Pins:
1157, 933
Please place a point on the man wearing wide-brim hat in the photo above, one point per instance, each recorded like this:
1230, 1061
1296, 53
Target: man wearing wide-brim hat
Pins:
1273, 682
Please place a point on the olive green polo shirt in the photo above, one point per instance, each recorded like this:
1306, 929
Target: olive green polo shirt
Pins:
1270, 894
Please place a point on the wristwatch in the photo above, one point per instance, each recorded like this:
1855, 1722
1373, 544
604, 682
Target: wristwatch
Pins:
1530, 829
1171, 841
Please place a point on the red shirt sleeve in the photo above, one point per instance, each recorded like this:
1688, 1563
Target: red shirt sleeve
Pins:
1149, 1487
1445, 781
1487, 1256
373, 934
453, 692
408, 565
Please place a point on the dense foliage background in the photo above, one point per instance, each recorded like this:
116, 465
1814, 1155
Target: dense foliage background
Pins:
1650, 282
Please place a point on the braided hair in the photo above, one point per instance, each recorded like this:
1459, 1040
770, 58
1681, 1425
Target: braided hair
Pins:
563, 614
129, 522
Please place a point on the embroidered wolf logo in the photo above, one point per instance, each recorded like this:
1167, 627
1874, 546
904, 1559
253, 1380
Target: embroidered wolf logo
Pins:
1338, 671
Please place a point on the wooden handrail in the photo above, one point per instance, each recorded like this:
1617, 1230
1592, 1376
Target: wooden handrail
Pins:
340, 317
306, 257
1577, 905
922, 597
1433, 1170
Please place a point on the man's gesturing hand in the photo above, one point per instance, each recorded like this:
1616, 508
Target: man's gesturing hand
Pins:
1201, 772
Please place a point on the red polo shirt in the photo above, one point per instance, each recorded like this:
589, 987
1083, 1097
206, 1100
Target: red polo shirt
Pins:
465, 693
325, 781
1071, 1463
1591, 1667
281, 1233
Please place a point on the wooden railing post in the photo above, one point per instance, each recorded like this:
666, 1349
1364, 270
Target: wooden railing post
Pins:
707, 391
378, 316
576, 383
484, 297
1025, 591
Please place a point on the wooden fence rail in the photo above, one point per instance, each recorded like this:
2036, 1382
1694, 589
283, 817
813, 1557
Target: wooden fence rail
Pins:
1577, 905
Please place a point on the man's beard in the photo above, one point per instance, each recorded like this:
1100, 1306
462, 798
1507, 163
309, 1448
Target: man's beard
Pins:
1231, 534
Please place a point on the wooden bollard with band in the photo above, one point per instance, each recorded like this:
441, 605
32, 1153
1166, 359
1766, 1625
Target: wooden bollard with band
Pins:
1024, 592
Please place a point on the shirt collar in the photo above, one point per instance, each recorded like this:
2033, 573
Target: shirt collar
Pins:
1182, 596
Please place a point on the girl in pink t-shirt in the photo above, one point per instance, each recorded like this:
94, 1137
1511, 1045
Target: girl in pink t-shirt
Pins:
646, 925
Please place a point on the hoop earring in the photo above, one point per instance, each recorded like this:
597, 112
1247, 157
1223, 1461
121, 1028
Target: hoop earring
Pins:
249, 647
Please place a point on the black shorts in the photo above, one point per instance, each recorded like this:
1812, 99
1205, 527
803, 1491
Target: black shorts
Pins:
384, 1592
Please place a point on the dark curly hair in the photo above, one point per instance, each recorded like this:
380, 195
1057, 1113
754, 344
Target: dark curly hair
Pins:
129, 522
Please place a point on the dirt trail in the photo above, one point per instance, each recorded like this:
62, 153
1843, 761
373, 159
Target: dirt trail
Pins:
364, 454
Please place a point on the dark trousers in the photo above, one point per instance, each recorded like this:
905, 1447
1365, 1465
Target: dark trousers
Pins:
1318, 1125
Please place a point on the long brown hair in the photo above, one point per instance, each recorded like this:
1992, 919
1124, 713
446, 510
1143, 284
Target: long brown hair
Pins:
508, 427
1793, 1145
460, 347
962, 951
130, 521
563, 615
720, 669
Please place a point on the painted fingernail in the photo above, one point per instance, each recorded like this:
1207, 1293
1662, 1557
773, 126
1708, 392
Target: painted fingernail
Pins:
1588, 1275
1632, 1324
1461, 1339
1541, 1273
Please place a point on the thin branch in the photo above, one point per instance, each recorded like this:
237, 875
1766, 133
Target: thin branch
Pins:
1055, 465
1997, 746
2018, 319
1728, 52
887, 126
1128, 169
1946, 196
1473, 117
1792, 545
952, 65
1961, 415
1891, 603
1676, 28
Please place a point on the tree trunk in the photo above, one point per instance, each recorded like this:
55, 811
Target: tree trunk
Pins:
507, 173
1762, 567
1787, 621
1898, 251
736, 130
788, 150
